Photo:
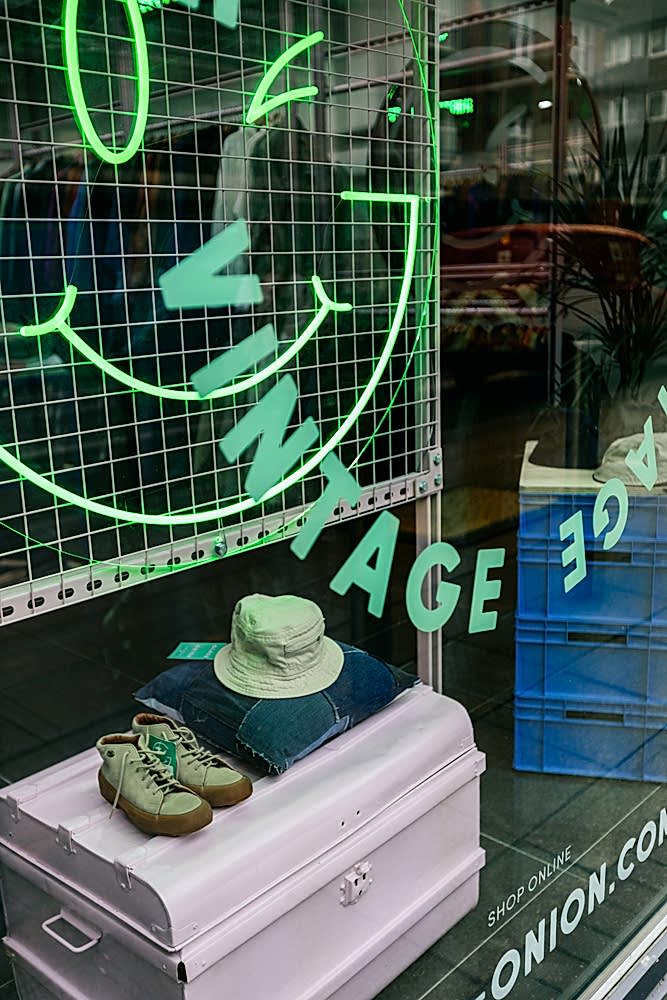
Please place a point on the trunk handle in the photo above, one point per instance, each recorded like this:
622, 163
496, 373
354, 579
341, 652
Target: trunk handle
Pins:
89, 932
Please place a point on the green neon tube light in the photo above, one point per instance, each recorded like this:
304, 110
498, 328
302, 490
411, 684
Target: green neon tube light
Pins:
329, 304
75, 88
58, 322
444, 36
411, 203
261, 104
394, 113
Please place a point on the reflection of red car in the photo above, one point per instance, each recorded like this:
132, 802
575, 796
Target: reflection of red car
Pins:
516, 254
495, 256
495, 283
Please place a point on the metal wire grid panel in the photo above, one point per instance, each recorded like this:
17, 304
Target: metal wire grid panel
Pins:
111, 231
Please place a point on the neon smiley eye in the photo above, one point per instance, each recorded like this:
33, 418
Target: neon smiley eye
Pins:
261, 103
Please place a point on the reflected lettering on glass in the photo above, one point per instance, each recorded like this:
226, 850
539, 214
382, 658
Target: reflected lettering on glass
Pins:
641, 461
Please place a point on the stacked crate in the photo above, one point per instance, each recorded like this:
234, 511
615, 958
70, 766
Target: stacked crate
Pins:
591, 664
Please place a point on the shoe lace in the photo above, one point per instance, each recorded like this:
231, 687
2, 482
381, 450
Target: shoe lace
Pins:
152, 769
198, 755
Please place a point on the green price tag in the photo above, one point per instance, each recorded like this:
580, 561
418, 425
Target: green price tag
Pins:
196, 650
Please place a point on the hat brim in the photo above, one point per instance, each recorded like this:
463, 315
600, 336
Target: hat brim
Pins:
604, 474
270, 685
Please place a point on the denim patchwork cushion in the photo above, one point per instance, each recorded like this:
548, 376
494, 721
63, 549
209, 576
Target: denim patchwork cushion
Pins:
276, 732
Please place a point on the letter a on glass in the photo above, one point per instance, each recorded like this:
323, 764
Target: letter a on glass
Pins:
642, 461
379, 541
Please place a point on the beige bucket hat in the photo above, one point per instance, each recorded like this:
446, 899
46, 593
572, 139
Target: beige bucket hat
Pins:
278, 649
613, 462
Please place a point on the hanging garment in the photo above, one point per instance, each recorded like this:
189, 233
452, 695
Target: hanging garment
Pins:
85, 240
61, 200
7, 221
267, 177
16, 277
231, 194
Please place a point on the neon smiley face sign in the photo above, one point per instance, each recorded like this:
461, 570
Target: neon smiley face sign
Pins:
228, 375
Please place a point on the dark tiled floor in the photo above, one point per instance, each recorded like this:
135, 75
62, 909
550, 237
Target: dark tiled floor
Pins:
69, 676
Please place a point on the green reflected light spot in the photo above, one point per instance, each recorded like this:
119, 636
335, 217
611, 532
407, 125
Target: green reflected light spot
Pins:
75, 88
261, 103
459, 105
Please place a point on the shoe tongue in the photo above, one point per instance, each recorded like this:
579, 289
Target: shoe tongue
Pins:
161, 728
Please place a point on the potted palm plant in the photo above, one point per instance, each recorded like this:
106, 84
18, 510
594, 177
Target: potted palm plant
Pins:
611, 283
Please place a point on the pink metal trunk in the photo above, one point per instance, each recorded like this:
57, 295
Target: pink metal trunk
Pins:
327, 883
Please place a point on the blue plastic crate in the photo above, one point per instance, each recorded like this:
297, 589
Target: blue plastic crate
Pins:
627, 584
611, 663
541, 515
558, 736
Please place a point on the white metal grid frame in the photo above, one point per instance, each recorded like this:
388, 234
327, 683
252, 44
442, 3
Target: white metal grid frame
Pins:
114, 230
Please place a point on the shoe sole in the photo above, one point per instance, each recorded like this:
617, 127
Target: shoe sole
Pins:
223, 796
158, 826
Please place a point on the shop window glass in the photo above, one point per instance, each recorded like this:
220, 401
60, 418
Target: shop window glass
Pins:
534, 329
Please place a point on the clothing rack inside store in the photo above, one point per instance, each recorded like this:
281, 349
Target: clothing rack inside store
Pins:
165, 128
171, 128
168, 127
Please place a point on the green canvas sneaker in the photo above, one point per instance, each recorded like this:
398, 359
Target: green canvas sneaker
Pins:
135, 780
192, 765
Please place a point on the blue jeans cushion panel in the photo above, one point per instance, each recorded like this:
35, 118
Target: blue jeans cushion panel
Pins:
274, 733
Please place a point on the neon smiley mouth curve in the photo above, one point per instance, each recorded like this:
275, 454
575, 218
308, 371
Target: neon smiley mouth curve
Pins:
58, 322
411, 203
